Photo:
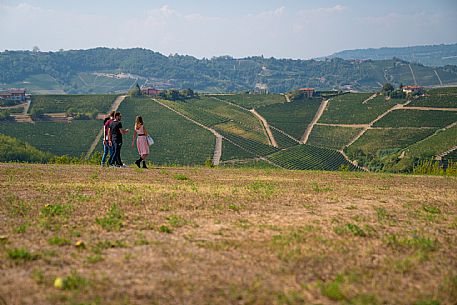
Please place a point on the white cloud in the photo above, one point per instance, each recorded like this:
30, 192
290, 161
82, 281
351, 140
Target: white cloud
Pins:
322, 11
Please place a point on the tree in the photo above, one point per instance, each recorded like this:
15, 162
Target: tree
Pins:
36, 49
387, 88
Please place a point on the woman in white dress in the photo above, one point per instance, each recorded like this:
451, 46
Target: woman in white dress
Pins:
142, 145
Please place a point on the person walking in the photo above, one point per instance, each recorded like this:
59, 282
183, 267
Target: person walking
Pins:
142, 145
115, 133
107, 149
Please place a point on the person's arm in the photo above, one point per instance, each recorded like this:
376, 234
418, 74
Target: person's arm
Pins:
145, 131
133, 138
110, 142
124, 131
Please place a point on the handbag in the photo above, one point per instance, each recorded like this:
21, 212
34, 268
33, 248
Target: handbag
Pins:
150, 140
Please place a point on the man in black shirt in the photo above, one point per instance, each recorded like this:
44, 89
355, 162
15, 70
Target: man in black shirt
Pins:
115, 133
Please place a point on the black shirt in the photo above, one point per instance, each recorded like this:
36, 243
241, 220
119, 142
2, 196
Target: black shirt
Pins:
116, 135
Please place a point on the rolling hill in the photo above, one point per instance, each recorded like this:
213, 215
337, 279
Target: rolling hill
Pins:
432, 55
104, 70
352, 131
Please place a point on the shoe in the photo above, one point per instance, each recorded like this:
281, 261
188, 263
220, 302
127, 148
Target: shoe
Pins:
123, 165
144, 165
138, 162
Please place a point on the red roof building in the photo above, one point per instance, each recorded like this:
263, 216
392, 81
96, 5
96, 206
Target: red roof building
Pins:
309, 92
13, 94
150, 91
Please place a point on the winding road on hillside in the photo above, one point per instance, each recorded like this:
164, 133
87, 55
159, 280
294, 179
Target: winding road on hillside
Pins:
117, 102
316, 118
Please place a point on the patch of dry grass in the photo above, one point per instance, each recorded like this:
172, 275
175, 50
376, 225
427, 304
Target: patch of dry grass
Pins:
225, 236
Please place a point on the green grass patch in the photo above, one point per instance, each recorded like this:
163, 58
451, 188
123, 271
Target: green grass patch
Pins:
112, 221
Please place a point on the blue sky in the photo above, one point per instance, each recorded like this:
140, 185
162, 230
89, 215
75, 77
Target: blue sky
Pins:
283, 29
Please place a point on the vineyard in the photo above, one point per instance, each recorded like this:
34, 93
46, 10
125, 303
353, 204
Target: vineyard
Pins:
375, 140
76, 103
417, 118
177, 140
310, 158
435, 144
349, 109
293, 118
251, 101
345, 124
440, 97
334, 137
72, 139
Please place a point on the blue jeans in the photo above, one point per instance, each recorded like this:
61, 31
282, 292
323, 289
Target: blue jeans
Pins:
115, 158
107, 150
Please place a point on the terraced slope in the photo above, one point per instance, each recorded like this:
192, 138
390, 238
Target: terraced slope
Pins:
376, 140
334, 137
77, 103
58, 138
177, 140
351, 109
443, 140
293, 118
417, 118
309, 157
439, 97
251, 101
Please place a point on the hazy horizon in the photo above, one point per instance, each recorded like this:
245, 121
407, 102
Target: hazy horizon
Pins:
281, 29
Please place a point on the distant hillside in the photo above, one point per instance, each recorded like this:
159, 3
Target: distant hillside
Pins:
105, 70
434, 55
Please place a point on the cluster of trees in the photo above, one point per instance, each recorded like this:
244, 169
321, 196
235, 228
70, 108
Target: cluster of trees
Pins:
389, 90
171, 94
225, 73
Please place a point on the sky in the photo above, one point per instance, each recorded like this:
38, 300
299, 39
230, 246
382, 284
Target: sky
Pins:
282, 29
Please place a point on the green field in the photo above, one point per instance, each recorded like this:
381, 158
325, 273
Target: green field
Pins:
334, 137
251, 101
95, 84
310, 158
77, 103
73, 139
177, 140
417, 118
440, 97
293, 118
375, 140
436, 144
38, 84
349, 109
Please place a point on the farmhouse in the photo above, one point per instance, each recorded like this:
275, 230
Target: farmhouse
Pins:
413, 90
308, 92
150, 91
261, 88
13, 94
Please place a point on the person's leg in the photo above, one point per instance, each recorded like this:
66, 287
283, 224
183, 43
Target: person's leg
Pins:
119, 161
144, 160
105, 153
114, 159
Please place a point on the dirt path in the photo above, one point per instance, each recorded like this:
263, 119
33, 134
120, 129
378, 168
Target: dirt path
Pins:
365, 169
271, 138
362, 132
443, 154
316, 118
23, 105
412, 73
429, 108
117, 102
218, 145
344, 125
266, 127
370, 98
439, 79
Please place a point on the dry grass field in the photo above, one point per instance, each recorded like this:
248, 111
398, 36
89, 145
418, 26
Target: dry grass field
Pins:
73, 234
